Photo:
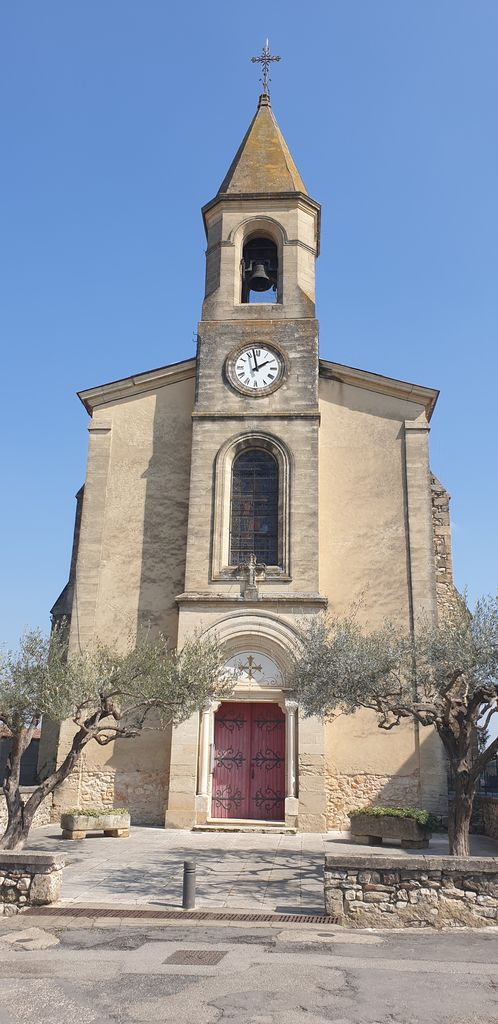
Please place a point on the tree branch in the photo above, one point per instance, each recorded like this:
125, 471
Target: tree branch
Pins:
484, 758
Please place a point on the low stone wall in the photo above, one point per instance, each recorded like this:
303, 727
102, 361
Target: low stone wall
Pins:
489, 811
42, 816
390, 892
29, 879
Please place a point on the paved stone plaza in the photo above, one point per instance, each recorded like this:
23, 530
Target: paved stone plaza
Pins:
235, 871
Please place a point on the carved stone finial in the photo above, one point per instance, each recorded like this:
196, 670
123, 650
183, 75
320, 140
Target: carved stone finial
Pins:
253, 572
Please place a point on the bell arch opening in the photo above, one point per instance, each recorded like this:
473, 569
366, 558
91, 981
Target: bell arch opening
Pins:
259, 269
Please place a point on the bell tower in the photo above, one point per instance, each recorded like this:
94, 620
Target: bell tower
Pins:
257, 376
263, 232
252, 561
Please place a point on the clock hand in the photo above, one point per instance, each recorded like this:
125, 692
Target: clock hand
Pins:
260, 367
256, 367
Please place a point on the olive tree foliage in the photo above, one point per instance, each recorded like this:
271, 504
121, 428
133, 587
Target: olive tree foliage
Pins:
107, 694
445, 676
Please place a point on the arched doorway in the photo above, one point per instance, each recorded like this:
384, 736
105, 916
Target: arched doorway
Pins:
249, 761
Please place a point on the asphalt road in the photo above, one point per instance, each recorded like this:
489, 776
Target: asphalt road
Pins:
84, 971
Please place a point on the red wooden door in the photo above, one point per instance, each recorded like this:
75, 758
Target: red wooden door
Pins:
249, 762
267, 763
232, 756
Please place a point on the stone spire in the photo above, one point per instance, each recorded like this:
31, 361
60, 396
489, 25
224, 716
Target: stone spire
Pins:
263, 163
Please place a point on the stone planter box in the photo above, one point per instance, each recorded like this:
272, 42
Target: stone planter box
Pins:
371, 829
76, 826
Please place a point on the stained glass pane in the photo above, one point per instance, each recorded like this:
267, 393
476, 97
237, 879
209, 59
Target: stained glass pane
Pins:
254, 511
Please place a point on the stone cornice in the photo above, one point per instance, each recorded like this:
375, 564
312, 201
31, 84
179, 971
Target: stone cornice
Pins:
266, 197
290, 414
427, 397
214, 599
128, 387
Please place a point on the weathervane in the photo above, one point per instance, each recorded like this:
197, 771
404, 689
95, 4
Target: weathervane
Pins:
265, 60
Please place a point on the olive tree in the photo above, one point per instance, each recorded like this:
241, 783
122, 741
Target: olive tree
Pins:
107, 694
446, 676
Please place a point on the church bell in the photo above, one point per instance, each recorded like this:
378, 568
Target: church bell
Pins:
258, 279
259, 266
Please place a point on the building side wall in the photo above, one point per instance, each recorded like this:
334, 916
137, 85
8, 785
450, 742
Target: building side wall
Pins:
131, 773
131, 559
366, 555
130, 568
362, 504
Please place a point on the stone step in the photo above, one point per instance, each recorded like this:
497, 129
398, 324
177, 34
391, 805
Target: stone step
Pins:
234, 825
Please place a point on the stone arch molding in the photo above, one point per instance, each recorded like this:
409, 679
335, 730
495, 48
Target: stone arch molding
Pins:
220, 567
254, 223
263, 631
267, 634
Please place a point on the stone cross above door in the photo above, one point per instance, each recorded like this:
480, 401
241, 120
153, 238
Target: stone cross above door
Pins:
252, 668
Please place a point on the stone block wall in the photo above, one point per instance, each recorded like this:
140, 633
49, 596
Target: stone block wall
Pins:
489, 812
29, 879
42, 816
142, 792
441, 523
348, 792
389, 892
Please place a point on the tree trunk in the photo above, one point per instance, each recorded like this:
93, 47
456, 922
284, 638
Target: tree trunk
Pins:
20, 814
460, 815
15, 835
18, 826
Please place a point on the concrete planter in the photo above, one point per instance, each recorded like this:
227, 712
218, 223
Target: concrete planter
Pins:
374, 829
76, 826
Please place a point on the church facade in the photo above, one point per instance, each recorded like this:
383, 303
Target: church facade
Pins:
240, 492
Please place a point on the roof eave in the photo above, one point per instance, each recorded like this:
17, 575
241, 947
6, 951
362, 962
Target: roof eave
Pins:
127, 387
427, 397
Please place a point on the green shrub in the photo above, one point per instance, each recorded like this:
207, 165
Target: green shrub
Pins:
425, 819
95, 812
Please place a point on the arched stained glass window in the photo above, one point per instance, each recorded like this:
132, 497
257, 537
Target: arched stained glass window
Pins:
254, 509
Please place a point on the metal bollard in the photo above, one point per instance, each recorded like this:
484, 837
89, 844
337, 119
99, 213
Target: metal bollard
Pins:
188, 885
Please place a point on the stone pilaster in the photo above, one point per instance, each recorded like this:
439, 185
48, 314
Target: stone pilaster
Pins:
311, 765
89, 564
181, 811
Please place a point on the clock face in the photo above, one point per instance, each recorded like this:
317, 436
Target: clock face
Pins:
256, 370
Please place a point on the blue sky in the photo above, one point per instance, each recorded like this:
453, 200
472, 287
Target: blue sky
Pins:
119, 120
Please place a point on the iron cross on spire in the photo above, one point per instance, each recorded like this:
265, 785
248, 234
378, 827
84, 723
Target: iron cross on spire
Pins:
265, 60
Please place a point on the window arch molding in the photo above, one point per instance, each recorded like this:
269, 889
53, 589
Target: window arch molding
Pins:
221, 568
266, 227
